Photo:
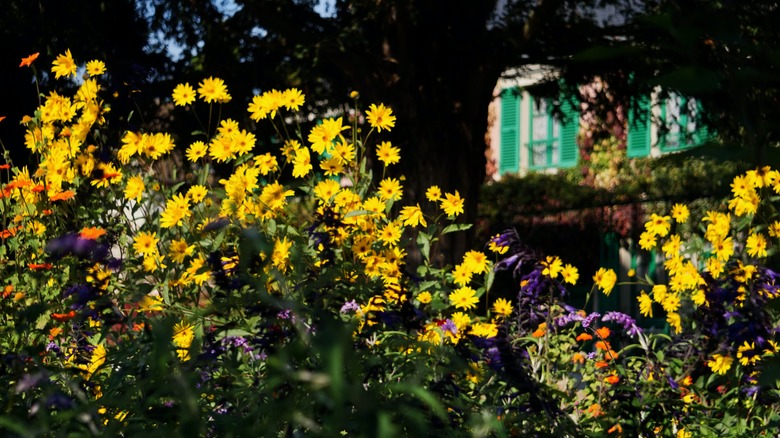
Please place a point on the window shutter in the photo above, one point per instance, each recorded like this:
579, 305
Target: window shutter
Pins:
570, 128
638, 139
509, 155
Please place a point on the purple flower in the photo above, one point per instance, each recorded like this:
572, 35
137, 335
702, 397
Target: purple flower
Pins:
449, 326
628, 323
349, 306
590, 318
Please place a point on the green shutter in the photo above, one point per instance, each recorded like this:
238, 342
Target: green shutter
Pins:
638, 141
509, 156
570, 127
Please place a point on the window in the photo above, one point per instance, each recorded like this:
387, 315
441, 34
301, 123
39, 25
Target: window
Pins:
679, 116
545, 143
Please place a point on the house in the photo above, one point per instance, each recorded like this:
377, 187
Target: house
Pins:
525, 137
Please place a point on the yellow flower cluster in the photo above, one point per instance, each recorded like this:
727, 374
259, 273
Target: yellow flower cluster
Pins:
720, 232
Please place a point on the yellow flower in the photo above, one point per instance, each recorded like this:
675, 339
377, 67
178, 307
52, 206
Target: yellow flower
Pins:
292, 99
723, 248
464, 298
672, 246
183, 94
197, 193
182, 338
658, 225
96, 360
302, 163
213, 90
134, 188
605, 279
274, 196
744, 354
720, 364
387, 153
326, 189
680, 213
64, 65
424, 297
452, 204
221, 148
501, 249
281, 255
433, 193
266, 163
389, 189
380, 117
552, 266
322, 136
774, 229
178, 250
674, 321
332, 166
570, 274
476, 262
756, 245
502, 307
390, 234
176, 209
412, 215
145, 243
645, 305
96, 67
462, 274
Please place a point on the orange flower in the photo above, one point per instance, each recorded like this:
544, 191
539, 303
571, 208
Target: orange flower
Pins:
616, 428
601, 364
4, 166
29, 60
603, 332
2, 118
7, 290
594, 409
610, 355
9, 232
54, 332
38, 188
63, 196
63, 317
540, 330
603, 345
37, 266
686, 381
612, 379
578, 358
584, 337
91, 233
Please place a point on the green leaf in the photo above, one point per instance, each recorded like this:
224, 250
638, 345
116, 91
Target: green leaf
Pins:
451, 228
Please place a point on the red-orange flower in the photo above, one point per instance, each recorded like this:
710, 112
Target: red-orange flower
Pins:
37, 266
612, 379
584, 337
63, 317
38, 188
9, 232
4, 166
602, 345
7, 290
91, 233
29, 60
601, 364
603, 332
2, 118
63, 196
